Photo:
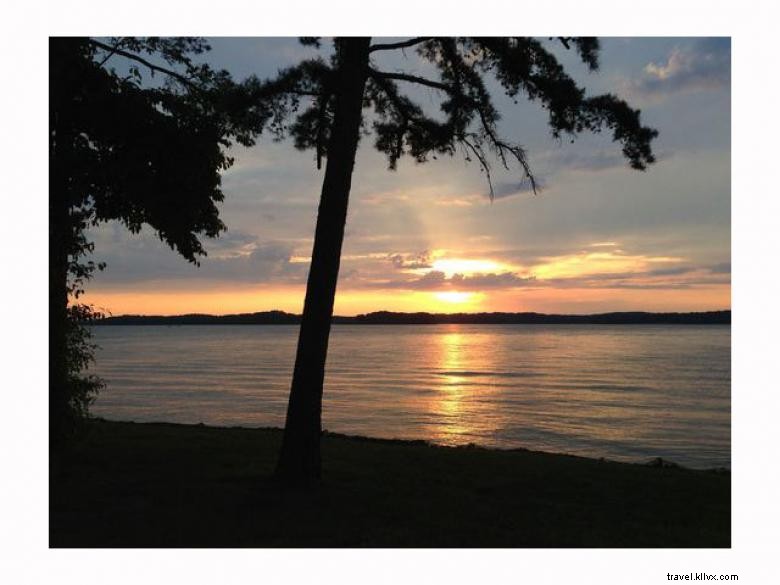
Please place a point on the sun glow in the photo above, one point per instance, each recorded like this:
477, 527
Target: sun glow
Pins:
467, 267
452, 296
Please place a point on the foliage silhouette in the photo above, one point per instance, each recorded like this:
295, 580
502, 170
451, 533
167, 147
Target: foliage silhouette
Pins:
123, 148
321, 106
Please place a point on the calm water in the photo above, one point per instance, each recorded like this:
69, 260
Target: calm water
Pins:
621, 392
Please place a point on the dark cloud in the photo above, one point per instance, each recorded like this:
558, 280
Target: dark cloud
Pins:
230, 242
705, 65
553, 162
673, 271
690, 277
268, 261
721, 268
236, 257
510, 189
591, 160
411, 261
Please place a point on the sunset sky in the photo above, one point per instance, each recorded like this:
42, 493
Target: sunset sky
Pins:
597, 237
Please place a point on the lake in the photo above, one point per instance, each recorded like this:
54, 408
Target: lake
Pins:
623, 392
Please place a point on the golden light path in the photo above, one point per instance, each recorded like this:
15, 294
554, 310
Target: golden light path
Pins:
463, 358
451, 394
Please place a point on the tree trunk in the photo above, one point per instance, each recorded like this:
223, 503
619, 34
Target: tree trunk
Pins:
58, 324
59, 225
299, 460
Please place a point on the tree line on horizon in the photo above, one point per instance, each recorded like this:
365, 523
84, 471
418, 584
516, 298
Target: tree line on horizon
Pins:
426, 318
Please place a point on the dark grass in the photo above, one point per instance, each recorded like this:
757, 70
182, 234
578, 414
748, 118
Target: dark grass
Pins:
166, 485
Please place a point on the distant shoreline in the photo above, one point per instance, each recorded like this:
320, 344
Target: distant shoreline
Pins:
391, 318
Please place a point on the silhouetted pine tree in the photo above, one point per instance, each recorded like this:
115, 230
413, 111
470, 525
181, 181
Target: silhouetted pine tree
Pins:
329, 99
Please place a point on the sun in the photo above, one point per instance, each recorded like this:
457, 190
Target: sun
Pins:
467, 267
453, 296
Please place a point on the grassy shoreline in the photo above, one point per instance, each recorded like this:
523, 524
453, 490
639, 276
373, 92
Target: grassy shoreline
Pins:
171, 485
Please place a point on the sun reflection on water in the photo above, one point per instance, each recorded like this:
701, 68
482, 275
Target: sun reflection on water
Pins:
459, 404
452, 361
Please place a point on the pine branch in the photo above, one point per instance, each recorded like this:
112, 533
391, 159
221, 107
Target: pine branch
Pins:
499, 146
477, 150
399, 45
111, 53
132, 56
411, 79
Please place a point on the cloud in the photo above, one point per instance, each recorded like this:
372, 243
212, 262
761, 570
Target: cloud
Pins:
510, 189
492, 280
591, 160
674, 271
268, 261
721, 268
680, 277
705, 65
553, 162
235, 257
417, 261
453, 202
438, 280
230, 244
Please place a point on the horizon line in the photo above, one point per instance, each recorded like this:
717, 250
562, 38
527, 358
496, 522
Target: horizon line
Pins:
435, 314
